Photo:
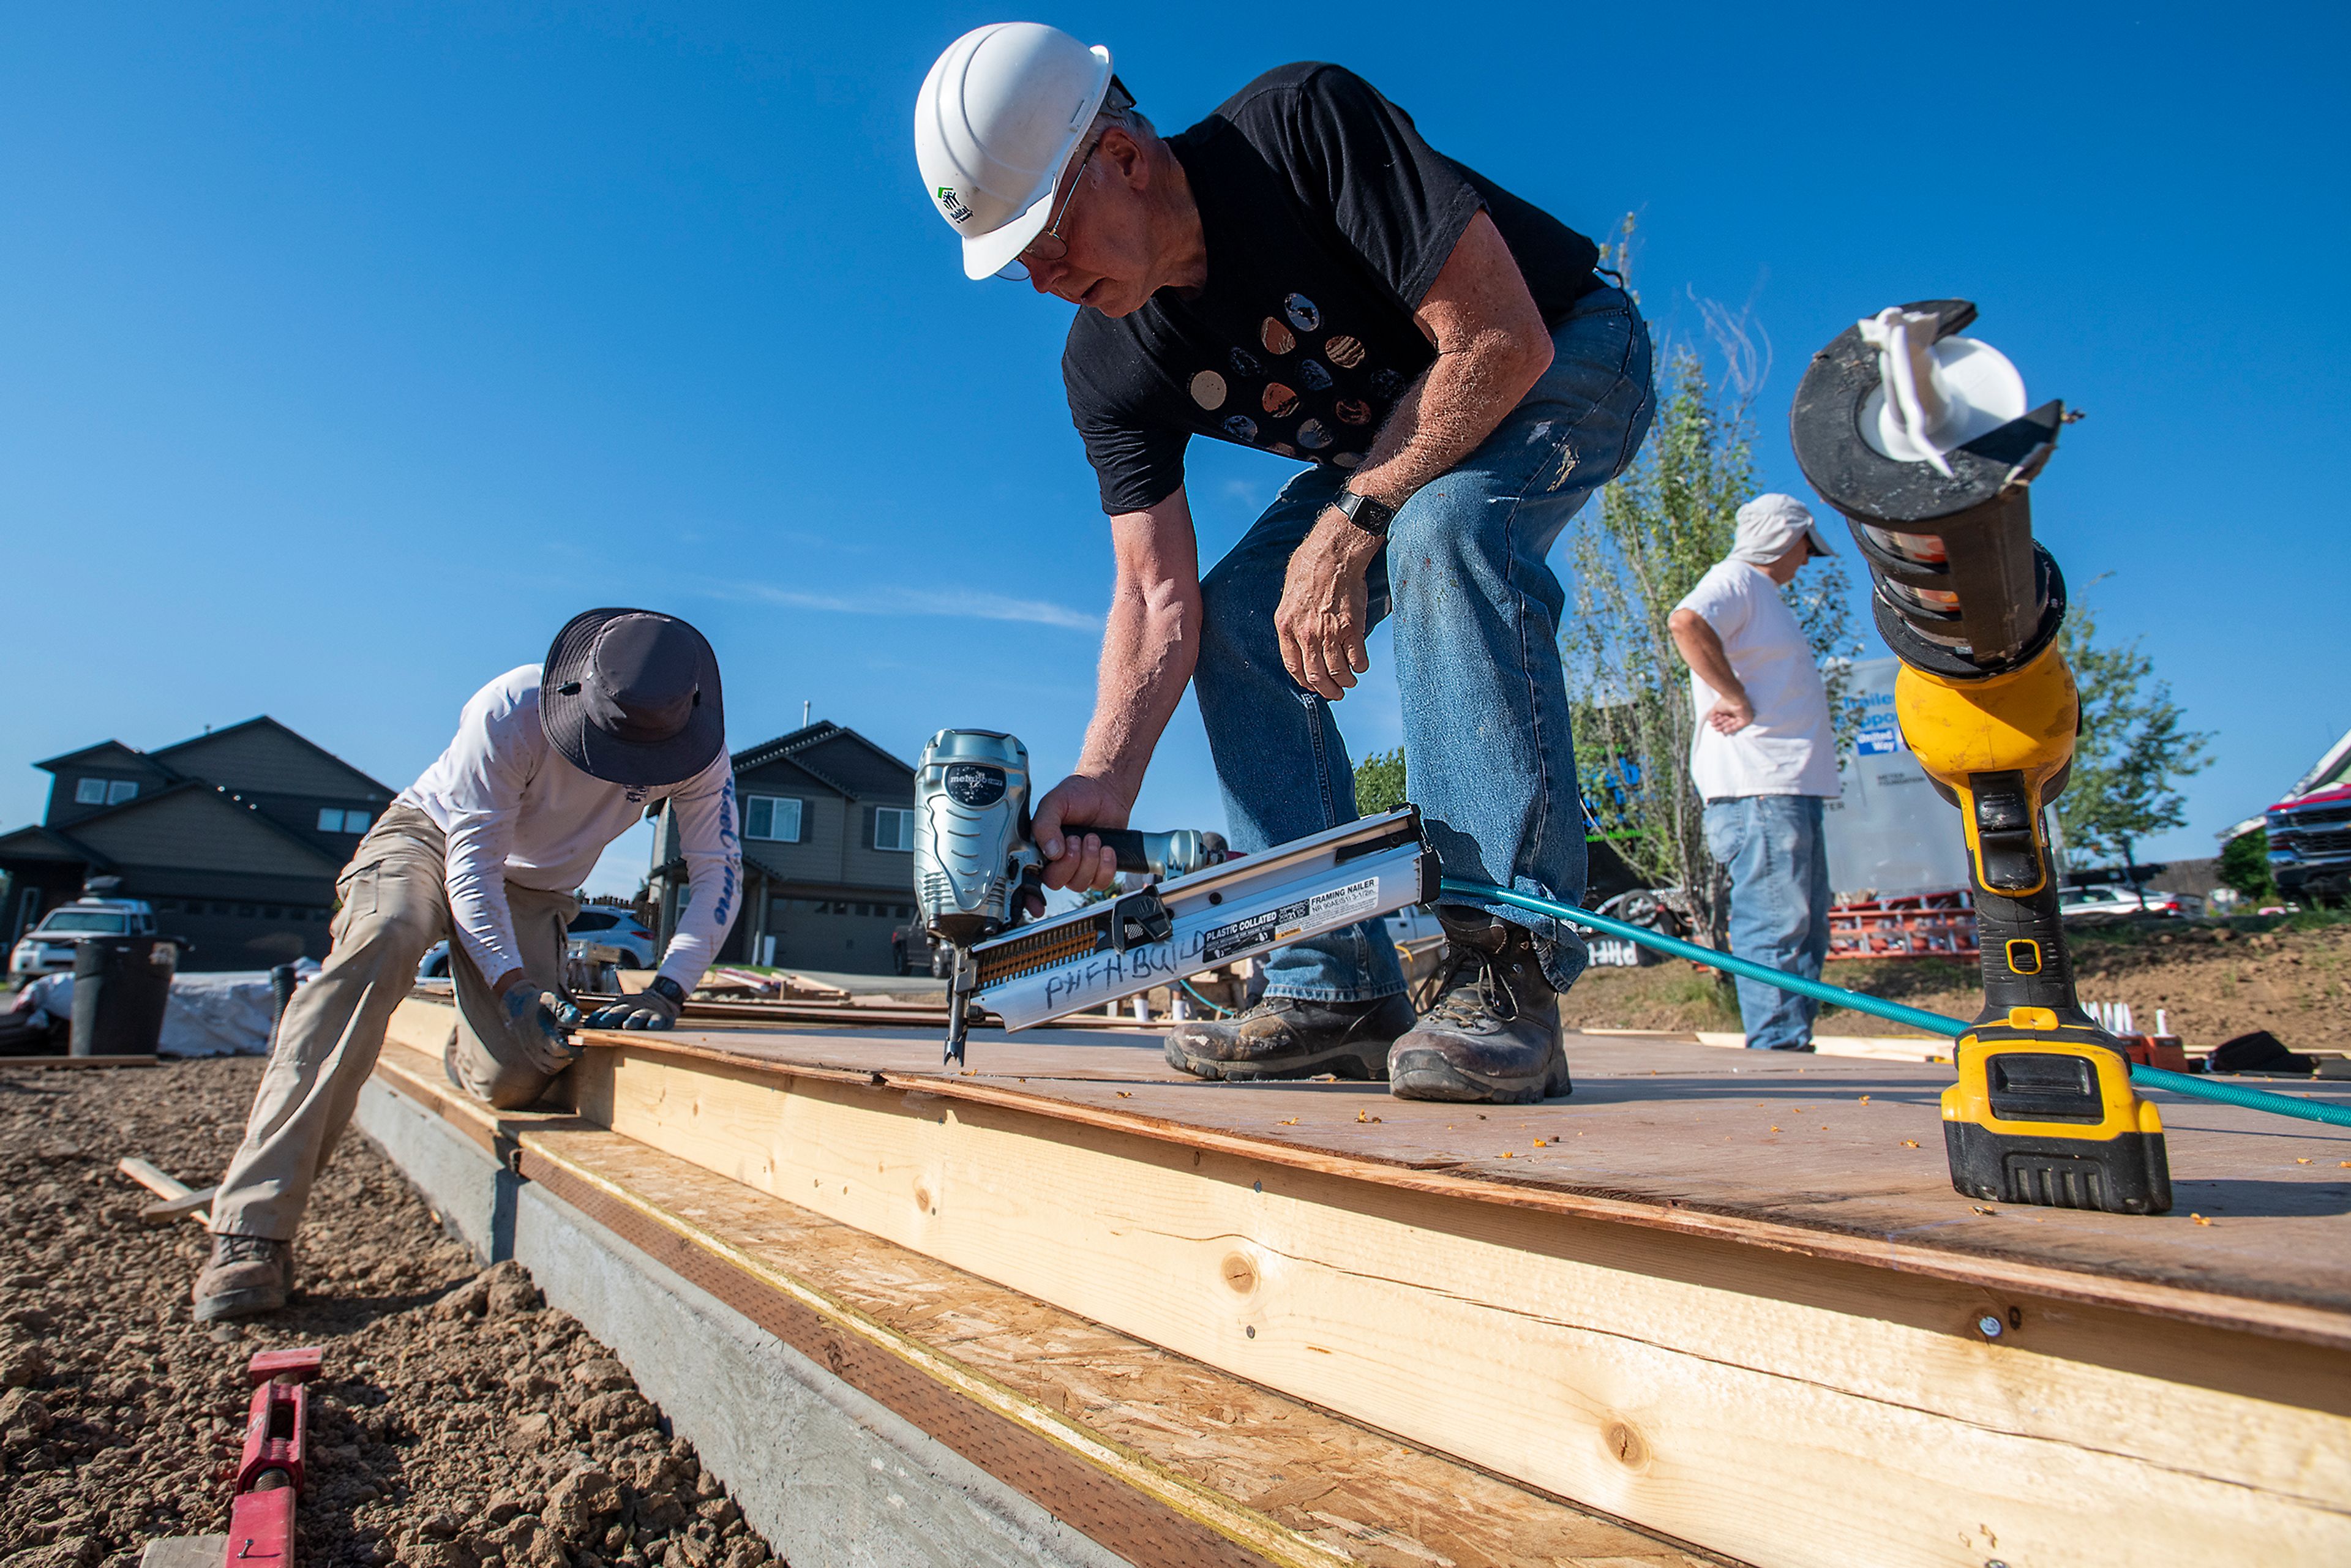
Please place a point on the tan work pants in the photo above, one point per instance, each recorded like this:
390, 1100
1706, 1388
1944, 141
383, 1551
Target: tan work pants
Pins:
395, 907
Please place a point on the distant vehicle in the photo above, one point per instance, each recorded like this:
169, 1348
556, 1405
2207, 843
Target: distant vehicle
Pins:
434, 964
2097, 905
912, 949
617, 928
2310, 845
48, 947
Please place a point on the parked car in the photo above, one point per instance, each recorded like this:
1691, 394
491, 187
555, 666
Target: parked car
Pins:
2096, 905
2310, 845
48, 947
912, 949
618, 928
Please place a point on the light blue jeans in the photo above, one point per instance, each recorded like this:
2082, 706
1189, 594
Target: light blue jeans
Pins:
1779, 863
1477, 612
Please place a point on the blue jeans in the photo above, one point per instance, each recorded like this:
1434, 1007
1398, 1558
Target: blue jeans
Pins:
1779, 865
1476, 608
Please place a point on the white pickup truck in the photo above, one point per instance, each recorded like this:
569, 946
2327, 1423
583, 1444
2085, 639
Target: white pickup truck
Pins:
48, 947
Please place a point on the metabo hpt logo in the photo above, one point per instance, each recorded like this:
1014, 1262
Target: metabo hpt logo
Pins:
951, 205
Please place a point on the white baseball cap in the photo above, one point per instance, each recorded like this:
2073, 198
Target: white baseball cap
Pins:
1768, 524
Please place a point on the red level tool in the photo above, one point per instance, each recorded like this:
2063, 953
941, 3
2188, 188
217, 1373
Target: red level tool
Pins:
270, 1475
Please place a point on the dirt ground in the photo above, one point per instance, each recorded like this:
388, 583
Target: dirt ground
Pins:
2215, 982
460, 1423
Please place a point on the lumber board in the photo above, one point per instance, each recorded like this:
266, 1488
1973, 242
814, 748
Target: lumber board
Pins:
1291, 1484
1719, 1394
1697, 1144
1641, 1353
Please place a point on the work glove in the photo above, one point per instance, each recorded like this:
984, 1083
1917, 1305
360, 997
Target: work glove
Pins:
538, 1022
655, 1007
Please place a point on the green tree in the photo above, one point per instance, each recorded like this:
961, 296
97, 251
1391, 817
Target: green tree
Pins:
1379, 782
2245, 866
1655, 533
2134, 746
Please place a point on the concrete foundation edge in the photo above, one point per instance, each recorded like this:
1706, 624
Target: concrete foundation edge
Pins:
831, 1478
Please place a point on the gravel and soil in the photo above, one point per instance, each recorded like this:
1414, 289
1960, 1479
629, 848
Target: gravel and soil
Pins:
2215, 981
459, 1423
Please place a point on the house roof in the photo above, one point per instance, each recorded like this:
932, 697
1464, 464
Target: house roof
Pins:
74, 849
92, 756
40, 843
263, 722
836, 756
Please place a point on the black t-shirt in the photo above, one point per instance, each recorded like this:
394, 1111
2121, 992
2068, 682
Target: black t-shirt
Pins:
1326, 219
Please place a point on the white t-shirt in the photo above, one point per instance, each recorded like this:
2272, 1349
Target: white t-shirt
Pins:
517, 810
1790, 748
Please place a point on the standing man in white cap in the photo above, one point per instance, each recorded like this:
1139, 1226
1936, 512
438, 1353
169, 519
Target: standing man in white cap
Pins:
1764, 758
551, 763
1302, 273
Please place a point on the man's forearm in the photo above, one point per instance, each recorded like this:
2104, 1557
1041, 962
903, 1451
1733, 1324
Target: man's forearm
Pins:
1701, 650
1442, 416
1149, 644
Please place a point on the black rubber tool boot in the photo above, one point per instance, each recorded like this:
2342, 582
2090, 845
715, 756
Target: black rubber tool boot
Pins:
1285, 1036
1493, 1035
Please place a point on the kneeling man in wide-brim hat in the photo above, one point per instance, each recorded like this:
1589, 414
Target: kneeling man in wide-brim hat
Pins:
551, 763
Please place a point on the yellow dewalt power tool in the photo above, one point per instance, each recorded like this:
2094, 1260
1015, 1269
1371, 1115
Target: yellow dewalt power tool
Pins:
1924, 441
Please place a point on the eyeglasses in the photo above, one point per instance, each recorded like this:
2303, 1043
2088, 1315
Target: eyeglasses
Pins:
1049, 245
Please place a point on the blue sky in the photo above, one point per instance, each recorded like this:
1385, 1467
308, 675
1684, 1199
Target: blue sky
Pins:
346, 351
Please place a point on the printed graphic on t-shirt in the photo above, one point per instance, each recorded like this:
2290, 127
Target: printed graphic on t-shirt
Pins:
1296, 420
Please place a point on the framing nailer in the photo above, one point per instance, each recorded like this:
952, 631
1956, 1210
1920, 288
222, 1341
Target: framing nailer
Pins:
975, 866
1923, 439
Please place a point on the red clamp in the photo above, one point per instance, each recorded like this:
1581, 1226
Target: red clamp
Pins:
270, 1475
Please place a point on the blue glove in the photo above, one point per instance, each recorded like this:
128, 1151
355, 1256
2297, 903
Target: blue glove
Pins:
538, 1022
655, 1007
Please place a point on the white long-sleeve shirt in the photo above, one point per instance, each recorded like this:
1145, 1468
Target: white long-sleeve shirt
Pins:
517, 810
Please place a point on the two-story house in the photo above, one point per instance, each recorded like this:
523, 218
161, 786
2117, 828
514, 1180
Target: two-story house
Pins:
236, 836
828, 820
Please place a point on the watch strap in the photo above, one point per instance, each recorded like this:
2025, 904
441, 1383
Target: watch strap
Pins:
665, 986
1371, 517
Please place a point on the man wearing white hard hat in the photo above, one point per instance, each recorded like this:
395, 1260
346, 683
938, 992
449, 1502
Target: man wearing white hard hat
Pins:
1764, 756
1301, 273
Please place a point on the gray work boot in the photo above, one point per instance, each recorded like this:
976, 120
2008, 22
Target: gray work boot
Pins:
1493, 1035
1287, 1037
247, 1274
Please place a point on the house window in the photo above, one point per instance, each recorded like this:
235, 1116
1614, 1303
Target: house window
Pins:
776, 817
893, 828
330, 820
333, 820
89, 792
118, 790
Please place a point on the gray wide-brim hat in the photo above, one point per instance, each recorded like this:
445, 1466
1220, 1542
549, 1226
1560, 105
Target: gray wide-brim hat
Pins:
630, 697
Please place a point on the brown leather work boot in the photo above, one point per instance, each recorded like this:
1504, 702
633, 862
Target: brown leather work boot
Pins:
1287, 1037
1493, 1035
248, 1274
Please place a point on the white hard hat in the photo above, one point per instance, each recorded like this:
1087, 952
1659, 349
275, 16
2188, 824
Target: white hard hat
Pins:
996, 121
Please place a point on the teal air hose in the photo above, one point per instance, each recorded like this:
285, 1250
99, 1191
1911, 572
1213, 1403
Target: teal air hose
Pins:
1893, 1012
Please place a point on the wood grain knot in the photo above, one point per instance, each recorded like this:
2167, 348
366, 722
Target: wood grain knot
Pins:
1626, 1445
922, 1198
1239, 1272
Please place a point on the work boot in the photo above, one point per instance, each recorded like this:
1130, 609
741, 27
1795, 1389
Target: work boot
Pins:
1289, 1037
247, 1274
1493, 1035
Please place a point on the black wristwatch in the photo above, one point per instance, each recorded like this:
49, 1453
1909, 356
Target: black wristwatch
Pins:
663, 986
1371, 517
